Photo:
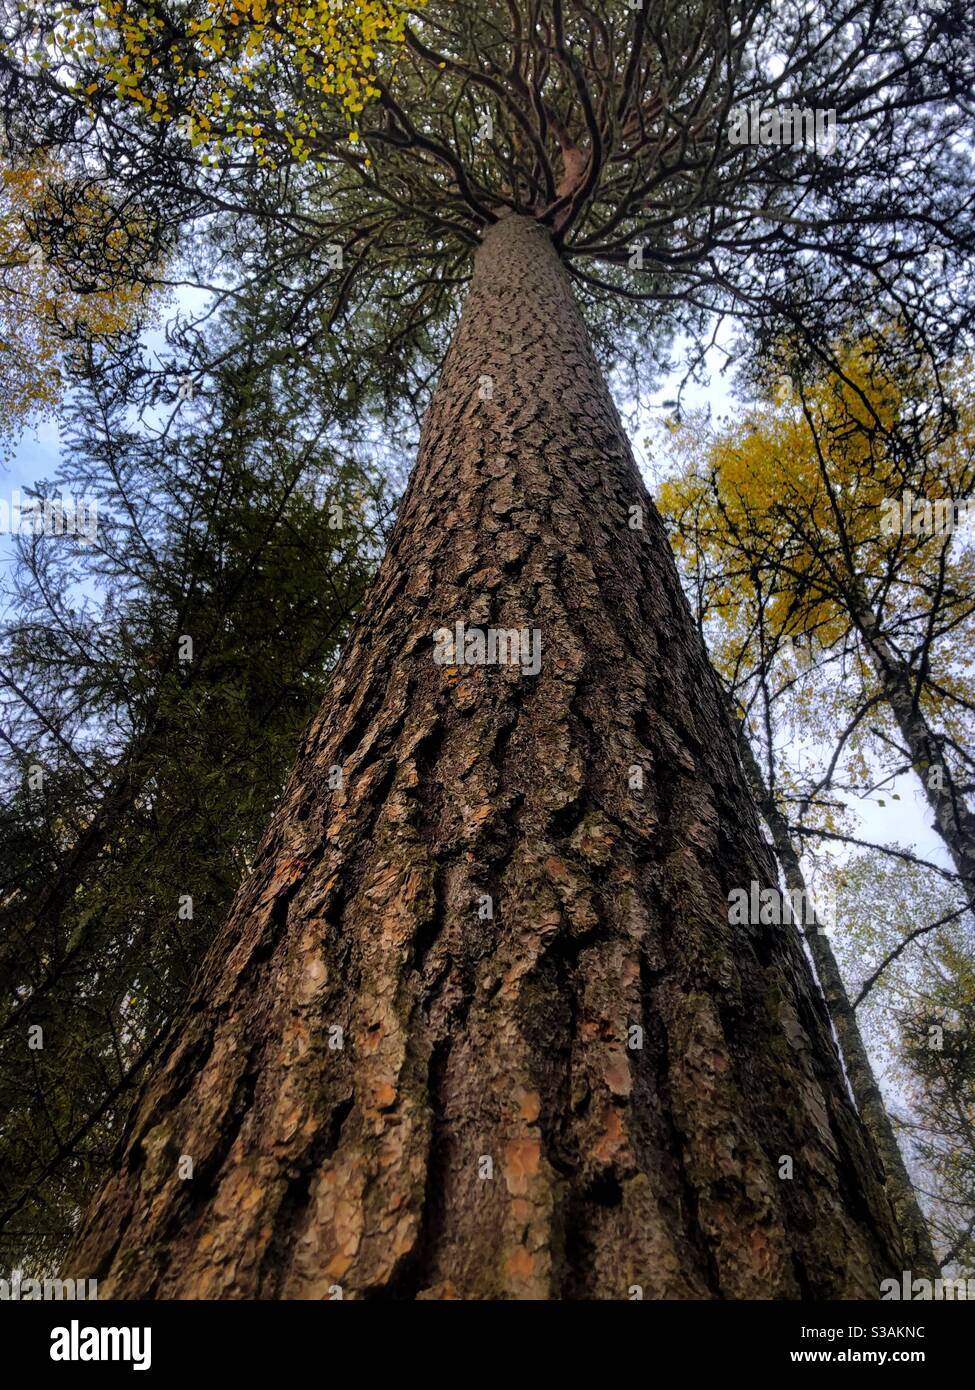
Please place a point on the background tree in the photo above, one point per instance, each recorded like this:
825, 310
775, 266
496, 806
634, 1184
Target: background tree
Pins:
781, 516
938, 1046
45, 308
908, 951
155, 682
855, 1054
801, 509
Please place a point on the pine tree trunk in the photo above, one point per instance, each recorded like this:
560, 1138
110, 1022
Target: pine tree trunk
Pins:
856, 1060
560, 1071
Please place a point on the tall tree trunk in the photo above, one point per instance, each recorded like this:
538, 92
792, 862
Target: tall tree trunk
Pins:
859, 1071
560, 1071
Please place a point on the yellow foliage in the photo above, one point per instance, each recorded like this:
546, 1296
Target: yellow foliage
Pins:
795, 493
41, 311
202, 61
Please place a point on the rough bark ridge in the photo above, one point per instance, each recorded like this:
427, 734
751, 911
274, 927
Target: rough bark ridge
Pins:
469, 1038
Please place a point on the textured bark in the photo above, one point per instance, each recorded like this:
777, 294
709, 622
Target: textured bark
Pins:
468, 1037
859, 1071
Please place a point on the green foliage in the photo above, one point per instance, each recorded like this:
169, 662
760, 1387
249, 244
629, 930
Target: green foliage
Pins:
159, 679
393, 134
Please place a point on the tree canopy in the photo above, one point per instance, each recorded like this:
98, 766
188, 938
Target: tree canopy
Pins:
387, 136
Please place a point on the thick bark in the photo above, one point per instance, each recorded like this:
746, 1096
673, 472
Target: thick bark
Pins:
469, 1037
859, 1071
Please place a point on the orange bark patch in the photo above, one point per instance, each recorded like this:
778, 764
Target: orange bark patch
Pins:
616, 1073
384, 1096
520, 1264
338, 1266
529, 1106
521, 1160
613, 1139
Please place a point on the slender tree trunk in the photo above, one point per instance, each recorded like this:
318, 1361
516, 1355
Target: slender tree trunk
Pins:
863, 1082
953, 820
478, 1025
